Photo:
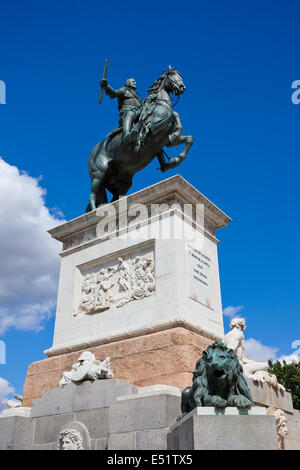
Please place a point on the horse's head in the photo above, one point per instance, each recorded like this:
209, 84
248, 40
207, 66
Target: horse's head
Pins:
171, 80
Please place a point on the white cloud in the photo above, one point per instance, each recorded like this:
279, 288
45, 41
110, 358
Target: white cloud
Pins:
5, 390
289, 358
258, 352
295, 344
29, 256
231, 311
295, 356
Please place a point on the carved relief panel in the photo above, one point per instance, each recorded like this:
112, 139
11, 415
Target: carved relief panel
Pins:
115, 283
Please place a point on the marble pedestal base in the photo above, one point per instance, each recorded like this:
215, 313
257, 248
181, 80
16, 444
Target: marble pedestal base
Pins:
108, 414
139, 282
207, 429
167, 357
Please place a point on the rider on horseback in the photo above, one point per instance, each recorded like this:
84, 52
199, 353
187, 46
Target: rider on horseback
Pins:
130, 105
112, 162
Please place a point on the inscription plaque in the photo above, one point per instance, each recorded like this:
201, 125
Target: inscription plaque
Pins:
200, 276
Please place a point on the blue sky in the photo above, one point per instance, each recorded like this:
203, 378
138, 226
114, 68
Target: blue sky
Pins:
238, 61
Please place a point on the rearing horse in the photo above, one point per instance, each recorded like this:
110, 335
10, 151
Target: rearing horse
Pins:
112, 163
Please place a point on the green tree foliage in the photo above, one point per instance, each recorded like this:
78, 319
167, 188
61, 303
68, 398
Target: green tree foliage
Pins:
289, 376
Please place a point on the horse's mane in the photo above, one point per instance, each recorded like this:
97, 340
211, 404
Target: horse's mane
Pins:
149, 106
156, 85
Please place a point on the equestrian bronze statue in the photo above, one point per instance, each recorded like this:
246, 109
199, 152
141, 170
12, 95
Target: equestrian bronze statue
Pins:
145, 128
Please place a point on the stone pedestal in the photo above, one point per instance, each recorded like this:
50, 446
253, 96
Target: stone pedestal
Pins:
141, 421
15, 433
231, 429
139, 282
86, 404
168, 357
266, 396
22, 411
107, 414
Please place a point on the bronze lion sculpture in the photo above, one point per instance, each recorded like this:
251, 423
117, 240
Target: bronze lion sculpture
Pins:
217, 381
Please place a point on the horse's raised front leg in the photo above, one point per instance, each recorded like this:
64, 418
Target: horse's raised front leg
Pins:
187, 140
177, 139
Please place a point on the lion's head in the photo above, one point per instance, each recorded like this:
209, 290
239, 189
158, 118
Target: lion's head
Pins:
218, 357
220, 363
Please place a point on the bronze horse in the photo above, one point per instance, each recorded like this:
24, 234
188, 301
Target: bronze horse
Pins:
112, 162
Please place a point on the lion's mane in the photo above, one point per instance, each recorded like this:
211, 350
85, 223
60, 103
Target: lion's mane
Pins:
204, 384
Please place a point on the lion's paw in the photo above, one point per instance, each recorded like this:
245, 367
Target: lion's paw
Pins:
217, 402
239, 401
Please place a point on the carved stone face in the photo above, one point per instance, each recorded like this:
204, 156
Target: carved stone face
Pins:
70, 439
131, 83
67, 444
87, 287
281, 423
283, 430
239, 323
